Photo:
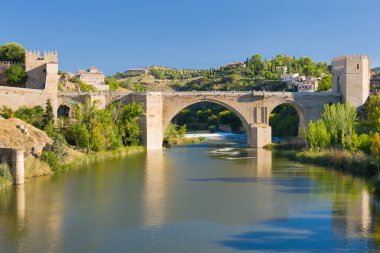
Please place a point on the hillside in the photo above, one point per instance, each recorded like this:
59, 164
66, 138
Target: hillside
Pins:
255, 73
12, 136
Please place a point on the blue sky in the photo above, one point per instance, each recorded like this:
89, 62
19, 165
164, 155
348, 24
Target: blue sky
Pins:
117, 35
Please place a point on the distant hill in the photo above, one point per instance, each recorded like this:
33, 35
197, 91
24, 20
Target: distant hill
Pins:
376, 70
256, 73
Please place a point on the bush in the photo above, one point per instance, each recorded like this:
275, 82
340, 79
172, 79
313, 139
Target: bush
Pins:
316, 136
32, 115
6, 112
52, 160
5, 174
12, 52
112, 83
212, 129
87, 87
15, 74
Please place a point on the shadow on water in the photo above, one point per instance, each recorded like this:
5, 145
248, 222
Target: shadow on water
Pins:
296, 234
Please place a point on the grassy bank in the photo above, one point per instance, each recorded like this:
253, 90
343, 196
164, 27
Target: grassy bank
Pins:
357, 163
35, 167
172, 141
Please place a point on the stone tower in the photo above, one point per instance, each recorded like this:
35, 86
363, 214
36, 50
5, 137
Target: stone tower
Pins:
351, 77
42, 70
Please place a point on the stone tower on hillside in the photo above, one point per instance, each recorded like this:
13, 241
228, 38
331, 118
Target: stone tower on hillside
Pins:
350, 77
42, 71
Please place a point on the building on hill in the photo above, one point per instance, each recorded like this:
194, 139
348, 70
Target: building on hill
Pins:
143, 71
290, 78
307, 84
235, 65
91, 76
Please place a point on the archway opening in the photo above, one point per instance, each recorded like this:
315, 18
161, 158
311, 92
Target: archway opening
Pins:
63, 111
285, 122
203, 119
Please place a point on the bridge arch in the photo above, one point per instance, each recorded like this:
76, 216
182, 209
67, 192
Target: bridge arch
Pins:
170, 115
300, 112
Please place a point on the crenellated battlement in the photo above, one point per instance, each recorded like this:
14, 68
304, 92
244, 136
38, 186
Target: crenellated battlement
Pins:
351, 57
33, 56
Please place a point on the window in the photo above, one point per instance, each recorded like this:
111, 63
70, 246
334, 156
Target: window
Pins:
357, 66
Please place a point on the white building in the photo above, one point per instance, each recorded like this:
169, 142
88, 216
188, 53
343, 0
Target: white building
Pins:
91, 76
290, 78
307, 84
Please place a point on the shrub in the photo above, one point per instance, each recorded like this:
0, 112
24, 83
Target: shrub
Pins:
316, 136
12, 52
15, 74
6, 112
212, 129
52, 160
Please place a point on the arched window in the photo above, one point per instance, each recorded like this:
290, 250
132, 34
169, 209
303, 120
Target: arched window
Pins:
338, 84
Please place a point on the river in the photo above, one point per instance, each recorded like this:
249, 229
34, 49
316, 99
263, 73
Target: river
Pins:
213, 197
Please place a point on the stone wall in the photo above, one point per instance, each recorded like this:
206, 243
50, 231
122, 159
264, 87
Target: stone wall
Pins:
17, 97
15, 159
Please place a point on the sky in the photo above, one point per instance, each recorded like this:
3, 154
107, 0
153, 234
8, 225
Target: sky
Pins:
118, 35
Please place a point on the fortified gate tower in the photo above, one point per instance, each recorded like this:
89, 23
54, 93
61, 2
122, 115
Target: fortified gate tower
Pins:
351, 77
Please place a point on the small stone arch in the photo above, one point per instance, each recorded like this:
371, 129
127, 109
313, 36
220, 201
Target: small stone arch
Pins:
63, 111
301, 114
168, 118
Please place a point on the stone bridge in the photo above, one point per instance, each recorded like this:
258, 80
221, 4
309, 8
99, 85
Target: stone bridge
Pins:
253, 108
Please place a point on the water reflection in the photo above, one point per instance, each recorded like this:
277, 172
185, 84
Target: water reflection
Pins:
264, 163
199, 199
155, 188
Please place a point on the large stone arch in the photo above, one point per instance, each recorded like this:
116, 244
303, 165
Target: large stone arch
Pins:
301, 114
173, 111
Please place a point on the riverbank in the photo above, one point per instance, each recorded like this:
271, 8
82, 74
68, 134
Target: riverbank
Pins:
357, 163
35, 167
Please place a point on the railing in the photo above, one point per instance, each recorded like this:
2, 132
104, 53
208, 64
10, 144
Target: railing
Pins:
216, 93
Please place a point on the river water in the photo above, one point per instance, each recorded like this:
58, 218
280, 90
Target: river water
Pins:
213, 197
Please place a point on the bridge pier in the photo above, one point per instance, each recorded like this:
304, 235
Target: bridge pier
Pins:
259, 135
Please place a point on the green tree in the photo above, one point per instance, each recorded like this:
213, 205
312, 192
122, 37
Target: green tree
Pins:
48, 116
15, 74
372, 110
128, 123
375, 150
340, 120
112, 83
325, 83
316, 135
31, 115
12, 52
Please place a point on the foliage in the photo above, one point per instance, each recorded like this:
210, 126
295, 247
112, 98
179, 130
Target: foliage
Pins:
58, 147
12, 52
375, 150
15, 74
5, 174
284, 121
6, 112
139, 88
325, 83
52, 160
316, 135
112, 83
48, 116
32, 115
340, 120
55, 154
372, 110
85, 87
